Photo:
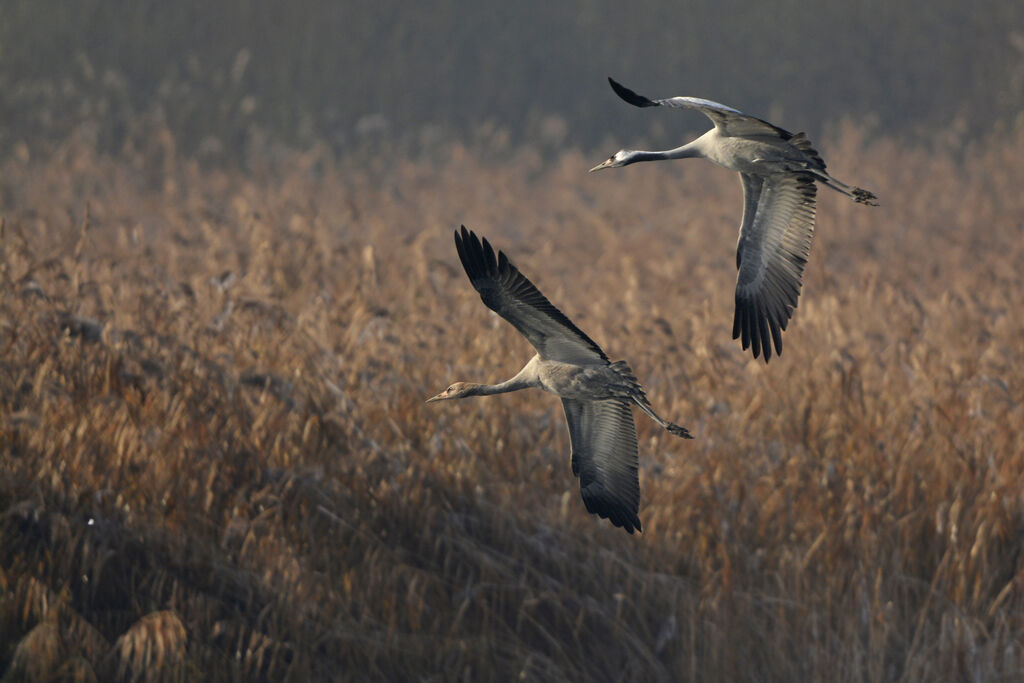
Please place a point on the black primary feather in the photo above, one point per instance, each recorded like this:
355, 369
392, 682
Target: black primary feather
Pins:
630, 96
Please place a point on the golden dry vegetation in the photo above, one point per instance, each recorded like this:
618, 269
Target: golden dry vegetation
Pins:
217, 464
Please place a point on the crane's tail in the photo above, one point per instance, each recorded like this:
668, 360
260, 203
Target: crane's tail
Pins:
857, 194
635, 393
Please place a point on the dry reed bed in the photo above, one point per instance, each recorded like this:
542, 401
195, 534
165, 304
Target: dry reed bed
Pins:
216, 457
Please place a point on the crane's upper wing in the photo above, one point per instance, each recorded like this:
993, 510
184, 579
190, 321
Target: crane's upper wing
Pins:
775, 239
730, 122
508, 293
604, 457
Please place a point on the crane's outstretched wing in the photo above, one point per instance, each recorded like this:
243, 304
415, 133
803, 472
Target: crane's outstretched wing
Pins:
508, 293
604, 457
729, 122
775, 239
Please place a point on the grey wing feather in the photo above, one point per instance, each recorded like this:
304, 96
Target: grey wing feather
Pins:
730, 122
511, 295
604, 457
775, 240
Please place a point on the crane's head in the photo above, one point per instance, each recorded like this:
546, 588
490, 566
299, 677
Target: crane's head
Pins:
457, 390
620, 158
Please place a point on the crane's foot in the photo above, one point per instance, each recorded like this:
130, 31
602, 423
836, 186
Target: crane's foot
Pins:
862, 196
679, 431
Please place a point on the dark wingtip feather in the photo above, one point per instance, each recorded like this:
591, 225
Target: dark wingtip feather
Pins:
471, 253
490, 260
460, 247
777, 338
630, 96
766, 342
750, 331
610, 510
757, 329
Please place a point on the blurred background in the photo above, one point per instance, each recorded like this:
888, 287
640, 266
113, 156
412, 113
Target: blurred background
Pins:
228, 283
349, 73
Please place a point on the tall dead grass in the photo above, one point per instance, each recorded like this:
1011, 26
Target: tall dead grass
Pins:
216, 459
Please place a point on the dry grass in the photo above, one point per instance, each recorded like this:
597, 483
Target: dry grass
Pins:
216, 458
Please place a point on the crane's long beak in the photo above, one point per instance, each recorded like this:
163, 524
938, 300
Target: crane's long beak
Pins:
602, 165
440, 397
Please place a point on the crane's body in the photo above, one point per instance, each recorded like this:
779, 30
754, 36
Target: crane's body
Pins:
778, 171
596, 393
743, 155
596, 382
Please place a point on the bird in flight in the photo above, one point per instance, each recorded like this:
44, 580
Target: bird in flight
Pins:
778, 171
596, 393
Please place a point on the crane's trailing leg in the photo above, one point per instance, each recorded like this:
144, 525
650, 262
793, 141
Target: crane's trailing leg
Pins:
857, 194
635, 393
672, 427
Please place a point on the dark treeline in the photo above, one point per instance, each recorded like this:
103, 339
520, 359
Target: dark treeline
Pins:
342, 72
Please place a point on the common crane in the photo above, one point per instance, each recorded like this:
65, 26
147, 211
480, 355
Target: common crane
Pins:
778, 170
596, 393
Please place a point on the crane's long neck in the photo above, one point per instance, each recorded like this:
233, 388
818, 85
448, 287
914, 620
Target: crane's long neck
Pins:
524, 379
500, 388
687, 151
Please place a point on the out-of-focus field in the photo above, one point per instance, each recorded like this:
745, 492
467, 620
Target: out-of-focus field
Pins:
217, 464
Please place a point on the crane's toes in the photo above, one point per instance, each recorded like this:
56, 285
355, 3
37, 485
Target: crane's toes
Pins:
680, 431
862, 196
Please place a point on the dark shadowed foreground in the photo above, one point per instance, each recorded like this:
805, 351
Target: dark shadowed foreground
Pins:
217, 464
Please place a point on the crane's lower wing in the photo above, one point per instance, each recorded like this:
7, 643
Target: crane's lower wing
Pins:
775, 239
729, 122
604, 457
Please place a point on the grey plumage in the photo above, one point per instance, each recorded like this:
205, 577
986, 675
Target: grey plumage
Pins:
596, 393
778, 171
